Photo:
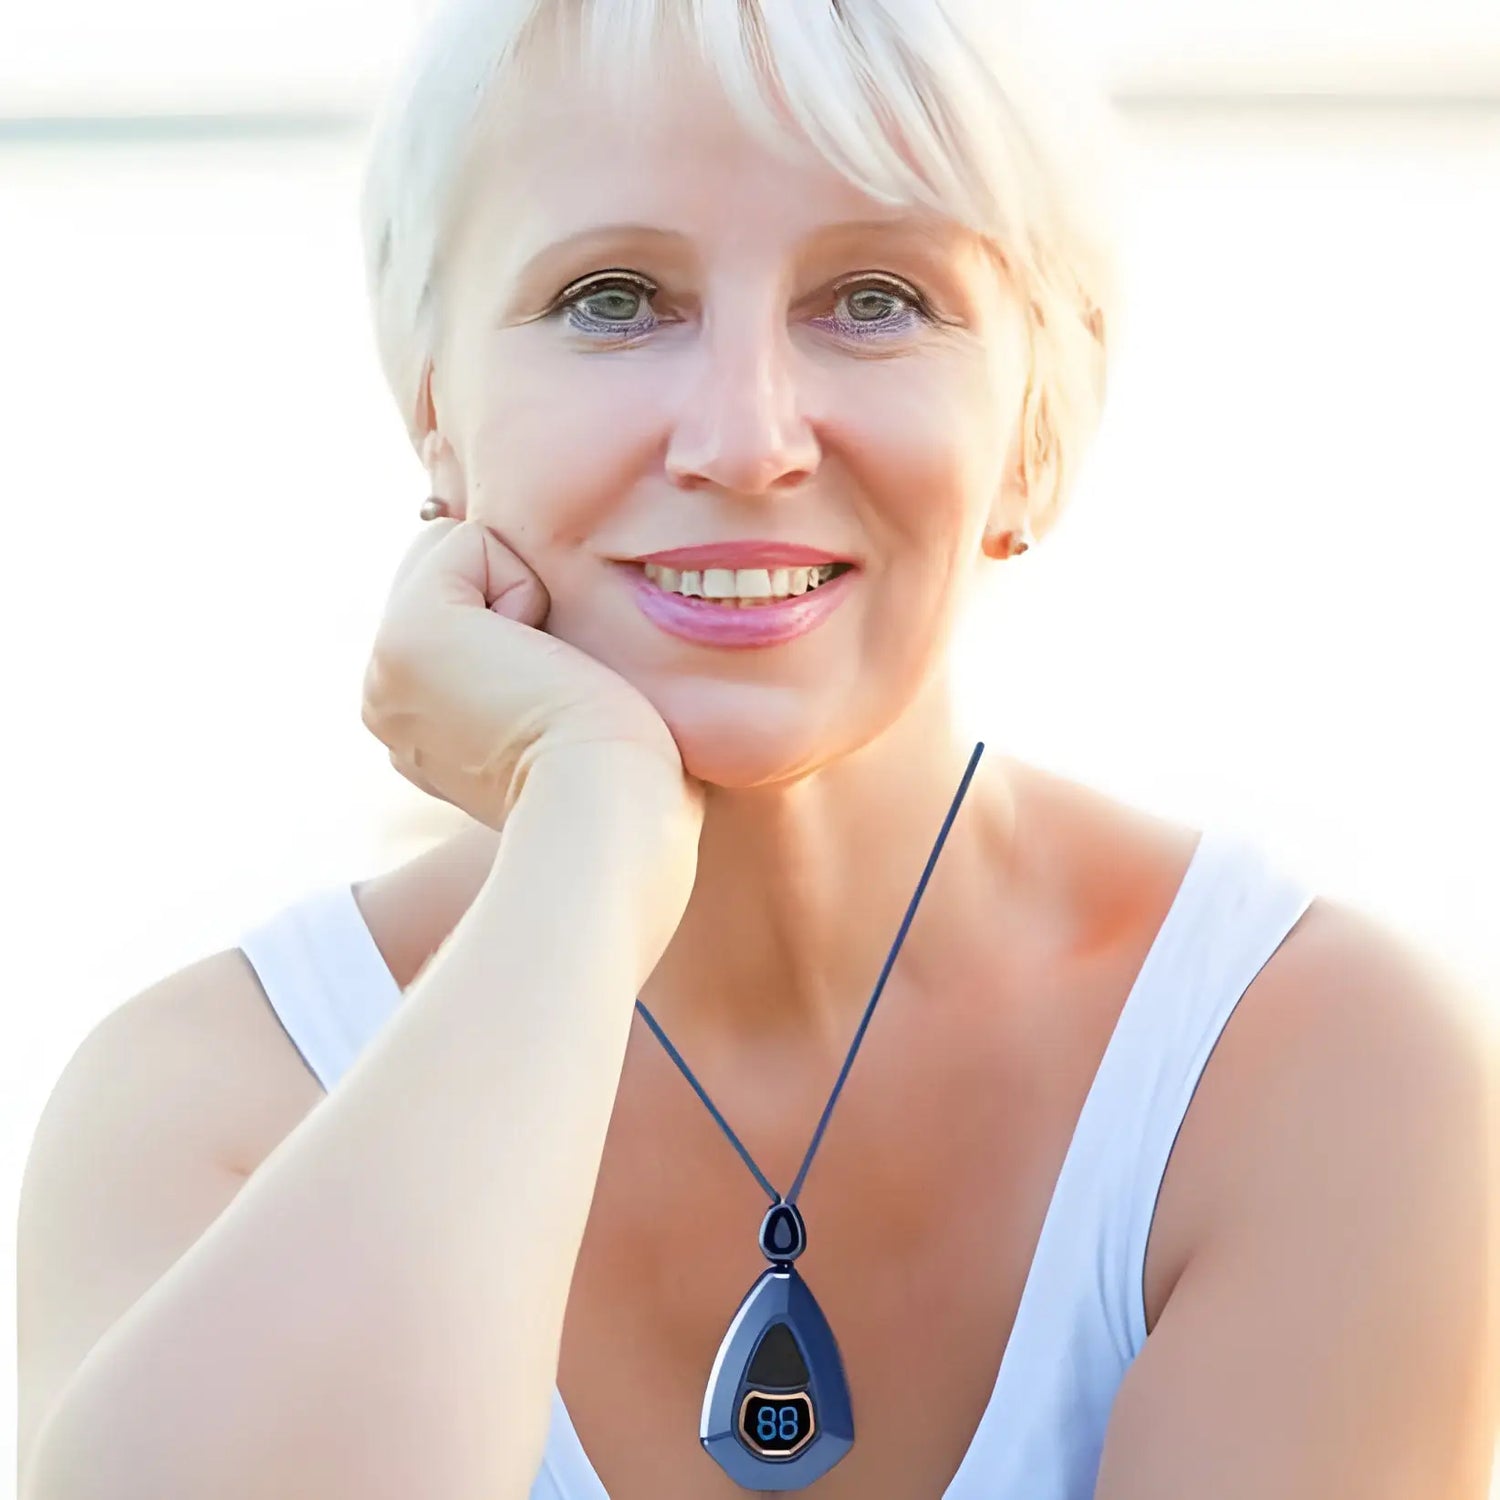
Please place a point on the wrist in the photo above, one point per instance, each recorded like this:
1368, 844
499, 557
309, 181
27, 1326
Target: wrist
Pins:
612, 826
616, 783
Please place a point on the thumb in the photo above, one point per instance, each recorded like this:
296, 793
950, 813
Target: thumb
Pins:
511, 588
464, 563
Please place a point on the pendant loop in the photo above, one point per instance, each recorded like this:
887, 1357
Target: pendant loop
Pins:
783, 1233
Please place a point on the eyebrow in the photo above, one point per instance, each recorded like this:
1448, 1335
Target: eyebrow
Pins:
929, 231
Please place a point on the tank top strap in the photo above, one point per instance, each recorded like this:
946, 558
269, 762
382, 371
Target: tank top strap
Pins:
324, 977
1235, 908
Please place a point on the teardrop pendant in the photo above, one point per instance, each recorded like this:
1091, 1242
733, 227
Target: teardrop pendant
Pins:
777, 1414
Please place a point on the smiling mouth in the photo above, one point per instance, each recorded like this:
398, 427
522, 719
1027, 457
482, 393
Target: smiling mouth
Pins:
740, 588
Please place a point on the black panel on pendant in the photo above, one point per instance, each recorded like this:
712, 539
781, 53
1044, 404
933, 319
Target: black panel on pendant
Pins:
778, 1360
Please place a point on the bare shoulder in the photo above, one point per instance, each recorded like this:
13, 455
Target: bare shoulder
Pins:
224, 1063
214, 1018
1355, 1037
145, 1138
210, 1038
1359, 1017
1374, 1051
1337, 1328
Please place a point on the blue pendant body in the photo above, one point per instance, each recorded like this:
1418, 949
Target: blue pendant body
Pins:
776, 1414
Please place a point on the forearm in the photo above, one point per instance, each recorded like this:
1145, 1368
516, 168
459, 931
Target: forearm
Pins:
378, 1311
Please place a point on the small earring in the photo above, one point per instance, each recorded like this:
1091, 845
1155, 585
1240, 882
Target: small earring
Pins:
432, 508
1011, 543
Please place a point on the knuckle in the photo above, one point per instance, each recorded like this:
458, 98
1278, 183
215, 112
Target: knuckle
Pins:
374, 694
391, 669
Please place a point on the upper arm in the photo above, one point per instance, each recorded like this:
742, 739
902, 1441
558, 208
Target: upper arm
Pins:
138, 1150
1338, 1332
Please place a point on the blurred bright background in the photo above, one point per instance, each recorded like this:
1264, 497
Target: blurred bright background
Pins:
1272, 604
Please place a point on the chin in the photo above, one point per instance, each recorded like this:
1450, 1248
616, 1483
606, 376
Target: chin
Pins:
754, 738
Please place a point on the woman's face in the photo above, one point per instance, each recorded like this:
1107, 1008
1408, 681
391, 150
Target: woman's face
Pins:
742, 355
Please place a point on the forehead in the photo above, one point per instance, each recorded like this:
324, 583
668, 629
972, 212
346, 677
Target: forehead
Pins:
552, 157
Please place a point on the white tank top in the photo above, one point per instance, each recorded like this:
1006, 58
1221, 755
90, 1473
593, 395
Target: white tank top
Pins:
1082, 1315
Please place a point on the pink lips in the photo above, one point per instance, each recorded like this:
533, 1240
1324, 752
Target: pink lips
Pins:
710, 624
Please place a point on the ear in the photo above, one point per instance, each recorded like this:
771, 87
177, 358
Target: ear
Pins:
425, 416
445, 473
1010, 508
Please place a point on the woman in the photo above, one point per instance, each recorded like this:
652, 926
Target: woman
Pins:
451, 1219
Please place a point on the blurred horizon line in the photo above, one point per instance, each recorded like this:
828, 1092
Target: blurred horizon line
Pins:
278, 122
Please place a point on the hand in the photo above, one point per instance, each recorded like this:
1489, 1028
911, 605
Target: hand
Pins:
467, 690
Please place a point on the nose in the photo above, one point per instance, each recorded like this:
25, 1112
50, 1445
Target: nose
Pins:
741, 426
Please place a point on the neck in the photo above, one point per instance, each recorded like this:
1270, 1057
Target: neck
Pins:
802, 887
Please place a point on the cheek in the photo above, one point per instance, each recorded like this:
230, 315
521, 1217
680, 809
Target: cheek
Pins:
550, 449
926, 450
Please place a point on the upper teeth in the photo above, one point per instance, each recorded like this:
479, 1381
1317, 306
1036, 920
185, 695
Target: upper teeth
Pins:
739, 583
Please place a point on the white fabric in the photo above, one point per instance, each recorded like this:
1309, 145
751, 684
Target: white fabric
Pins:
1082, 1317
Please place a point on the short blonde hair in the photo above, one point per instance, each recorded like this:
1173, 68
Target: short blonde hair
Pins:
951, 105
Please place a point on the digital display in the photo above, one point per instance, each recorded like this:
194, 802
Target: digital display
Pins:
776, 1424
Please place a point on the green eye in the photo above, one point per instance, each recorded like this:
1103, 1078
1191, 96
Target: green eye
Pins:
616, 286
874, 293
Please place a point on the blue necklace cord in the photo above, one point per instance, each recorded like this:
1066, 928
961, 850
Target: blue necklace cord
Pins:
734, 1140
777, 1414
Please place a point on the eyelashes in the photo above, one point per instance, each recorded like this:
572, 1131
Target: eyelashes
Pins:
568, 306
